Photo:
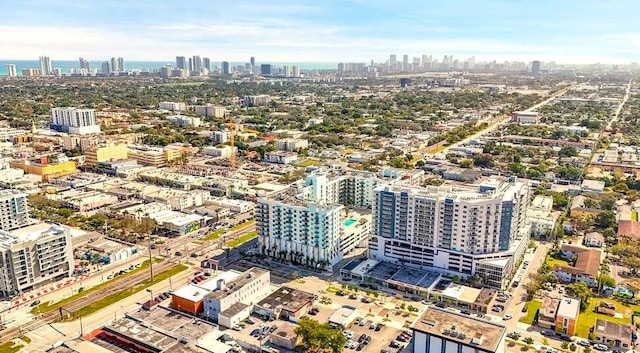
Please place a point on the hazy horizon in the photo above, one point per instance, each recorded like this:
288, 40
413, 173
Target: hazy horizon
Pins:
575, 32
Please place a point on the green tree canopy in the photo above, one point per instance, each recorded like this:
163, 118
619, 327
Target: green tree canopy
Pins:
319, 338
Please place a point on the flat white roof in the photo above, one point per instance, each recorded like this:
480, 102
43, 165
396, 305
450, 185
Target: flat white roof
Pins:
364, 267
453, 291
343, 315
191, 293
212, 283
569, 307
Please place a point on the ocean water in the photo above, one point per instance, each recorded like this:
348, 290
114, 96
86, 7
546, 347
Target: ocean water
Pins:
67, 65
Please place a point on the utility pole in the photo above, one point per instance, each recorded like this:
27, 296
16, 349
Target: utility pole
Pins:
150, 259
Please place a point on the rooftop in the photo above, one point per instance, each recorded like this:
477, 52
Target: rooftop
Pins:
549, 307
237, 283
629, 228
470, 331
588, 261
172, 323
289, 298
569, 308
29, 233
613, 329
190, 292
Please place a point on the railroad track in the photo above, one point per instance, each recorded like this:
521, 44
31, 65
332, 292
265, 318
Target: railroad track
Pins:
54, 315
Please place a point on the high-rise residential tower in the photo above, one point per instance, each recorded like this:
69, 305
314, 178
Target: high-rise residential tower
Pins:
120, 64
45, 66
535, 67
181, 62
457, 230
206, 63
226, 68
11, 70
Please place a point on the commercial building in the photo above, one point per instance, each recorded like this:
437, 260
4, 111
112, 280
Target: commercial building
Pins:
585, 268
343, 316
183, 120
14, 210
224, 151
457, 230
45, 169
613, 334
252, 101
188, 299
104, 153
219, 137
74, 121
173, 106
148, 156
438, 330
34, 255
525, 117
83, 201
178, 223
285, 303
231, 301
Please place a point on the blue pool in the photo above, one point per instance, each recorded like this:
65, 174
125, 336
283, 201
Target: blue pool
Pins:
349, 222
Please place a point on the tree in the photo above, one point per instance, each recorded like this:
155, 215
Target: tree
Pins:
568, 151
317, 337
581, 291
606, 219
573, 347
410, 307
605, 280
403, 305
484, 160
586, 350
528, 340
564, 345
545, 341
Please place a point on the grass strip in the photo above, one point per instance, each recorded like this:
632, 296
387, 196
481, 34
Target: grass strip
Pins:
125, 293
242, 239
49, 306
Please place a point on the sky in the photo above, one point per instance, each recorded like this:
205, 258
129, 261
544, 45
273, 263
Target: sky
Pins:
565, 31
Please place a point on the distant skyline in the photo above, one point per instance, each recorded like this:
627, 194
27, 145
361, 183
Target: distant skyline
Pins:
567, 31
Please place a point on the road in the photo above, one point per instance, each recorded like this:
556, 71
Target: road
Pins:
614, 118
504, 120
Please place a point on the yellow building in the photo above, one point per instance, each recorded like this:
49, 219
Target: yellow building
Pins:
148, 157
44, 169
105, 153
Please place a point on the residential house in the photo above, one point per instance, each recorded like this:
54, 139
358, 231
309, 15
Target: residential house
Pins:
594, 240
547, 313
629, 229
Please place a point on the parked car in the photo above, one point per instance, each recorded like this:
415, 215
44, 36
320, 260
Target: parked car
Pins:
547, 333
35, 302
273, 328
194, 255
584, 343
237, 328
255, 333
401, 338
353, 296
507, 317
600, 347
178, 253
465, 312
379, 327
525, 309
373, 325
363, 322
249, 321
366, 300
340, 293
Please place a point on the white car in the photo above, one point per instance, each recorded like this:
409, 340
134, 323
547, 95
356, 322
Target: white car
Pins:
600, 347
583, 343
507, 317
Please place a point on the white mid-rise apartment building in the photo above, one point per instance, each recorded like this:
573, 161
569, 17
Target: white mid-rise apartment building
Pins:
34, 255
173, 106
74, 121
183, 120
292, 145
309, 223
14, 211
458, 230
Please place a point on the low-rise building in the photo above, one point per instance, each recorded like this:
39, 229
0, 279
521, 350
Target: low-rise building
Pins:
525, 117
242, 290
343, 316
34, 255
237, 206
188, 299
211, 110
104, 153
178, 223
585, 269
280, 157
567, 316
83, 201
438, 330
46, 169
547, 313
613, 334
286, 303
594, 240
